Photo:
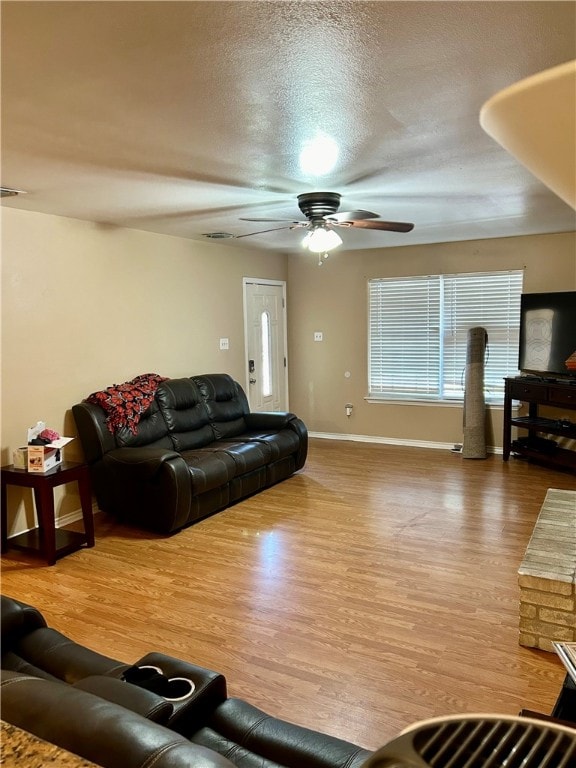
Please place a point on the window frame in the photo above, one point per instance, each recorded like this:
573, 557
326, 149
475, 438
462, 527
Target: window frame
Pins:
471, 296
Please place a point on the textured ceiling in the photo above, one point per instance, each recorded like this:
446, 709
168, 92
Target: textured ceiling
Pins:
182, 117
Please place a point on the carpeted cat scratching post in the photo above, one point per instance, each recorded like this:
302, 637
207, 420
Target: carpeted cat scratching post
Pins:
474, 443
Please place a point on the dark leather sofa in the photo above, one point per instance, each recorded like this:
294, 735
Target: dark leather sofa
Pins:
197, 450
76, 698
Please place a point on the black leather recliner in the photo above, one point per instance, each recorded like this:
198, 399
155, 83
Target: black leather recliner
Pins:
76, 698
107, 734
32, 648
250, 738
198, 449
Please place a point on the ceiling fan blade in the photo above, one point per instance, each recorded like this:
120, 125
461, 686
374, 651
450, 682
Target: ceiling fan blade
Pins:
390, 226
321, 211
274, 229
290, 220
351, 216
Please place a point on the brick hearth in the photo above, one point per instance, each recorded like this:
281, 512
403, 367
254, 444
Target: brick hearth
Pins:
547, 575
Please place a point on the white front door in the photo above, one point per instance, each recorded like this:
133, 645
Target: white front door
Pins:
265, 334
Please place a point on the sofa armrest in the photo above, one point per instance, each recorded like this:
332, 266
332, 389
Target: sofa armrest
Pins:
143, 462
45, 651
276, 421
143, 702
95, 437
148, 486
268, 420
209, 690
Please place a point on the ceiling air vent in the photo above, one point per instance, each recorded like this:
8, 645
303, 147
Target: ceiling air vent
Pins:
7, 192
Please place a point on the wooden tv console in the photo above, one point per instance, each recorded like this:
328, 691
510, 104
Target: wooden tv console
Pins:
540, 392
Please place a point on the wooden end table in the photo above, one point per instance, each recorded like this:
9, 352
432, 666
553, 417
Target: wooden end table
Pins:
46, 539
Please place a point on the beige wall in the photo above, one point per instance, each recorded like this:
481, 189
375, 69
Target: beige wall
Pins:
85, 306
333, 299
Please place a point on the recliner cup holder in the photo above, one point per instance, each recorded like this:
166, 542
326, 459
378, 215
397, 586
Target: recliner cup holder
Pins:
138, 675
153, 679
178, 689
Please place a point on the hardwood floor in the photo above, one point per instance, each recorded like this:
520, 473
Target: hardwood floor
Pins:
376, 588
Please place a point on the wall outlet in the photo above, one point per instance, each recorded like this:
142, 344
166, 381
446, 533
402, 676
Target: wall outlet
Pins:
224, 343
318, 336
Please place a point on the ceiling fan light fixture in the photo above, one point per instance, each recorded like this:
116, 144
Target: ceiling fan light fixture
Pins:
321, 240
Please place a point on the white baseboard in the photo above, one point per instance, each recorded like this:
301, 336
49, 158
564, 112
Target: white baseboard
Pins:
393, 441
71, 517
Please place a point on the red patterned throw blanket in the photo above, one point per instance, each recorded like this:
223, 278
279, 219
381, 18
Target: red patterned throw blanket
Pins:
125, 403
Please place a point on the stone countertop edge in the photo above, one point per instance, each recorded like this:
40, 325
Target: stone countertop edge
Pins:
20, 748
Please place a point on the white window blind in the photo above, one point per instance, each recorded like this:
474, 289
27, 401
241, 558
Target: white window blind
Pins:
418, 333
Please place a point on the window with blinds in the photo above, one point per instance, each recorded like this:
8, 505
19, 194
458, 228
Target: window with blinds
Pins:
418, 333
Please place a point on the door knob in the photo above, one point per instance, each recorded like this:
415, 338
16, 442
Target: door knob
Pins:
252, 381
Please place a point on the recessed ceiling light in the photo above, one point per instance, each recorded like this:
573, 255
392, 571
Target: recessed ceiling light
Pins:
218, 235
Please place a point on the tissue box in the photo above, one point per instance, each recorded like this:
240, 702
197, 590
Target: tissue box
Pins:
20, 458
42, 458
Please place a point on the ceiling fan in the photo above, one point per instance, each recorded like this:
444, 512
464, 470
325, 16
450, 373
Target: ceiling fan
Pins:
320, 209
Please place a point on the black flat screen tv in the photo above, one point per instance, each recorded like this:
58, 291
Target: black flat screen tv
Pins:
547, 333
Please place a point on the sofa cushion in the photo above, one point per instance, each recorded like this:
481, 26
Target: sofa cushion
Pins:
250, 737
208, 469
152, 430
278, 445
45, 652
185, 415
246, 456
226, 404
145, 703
